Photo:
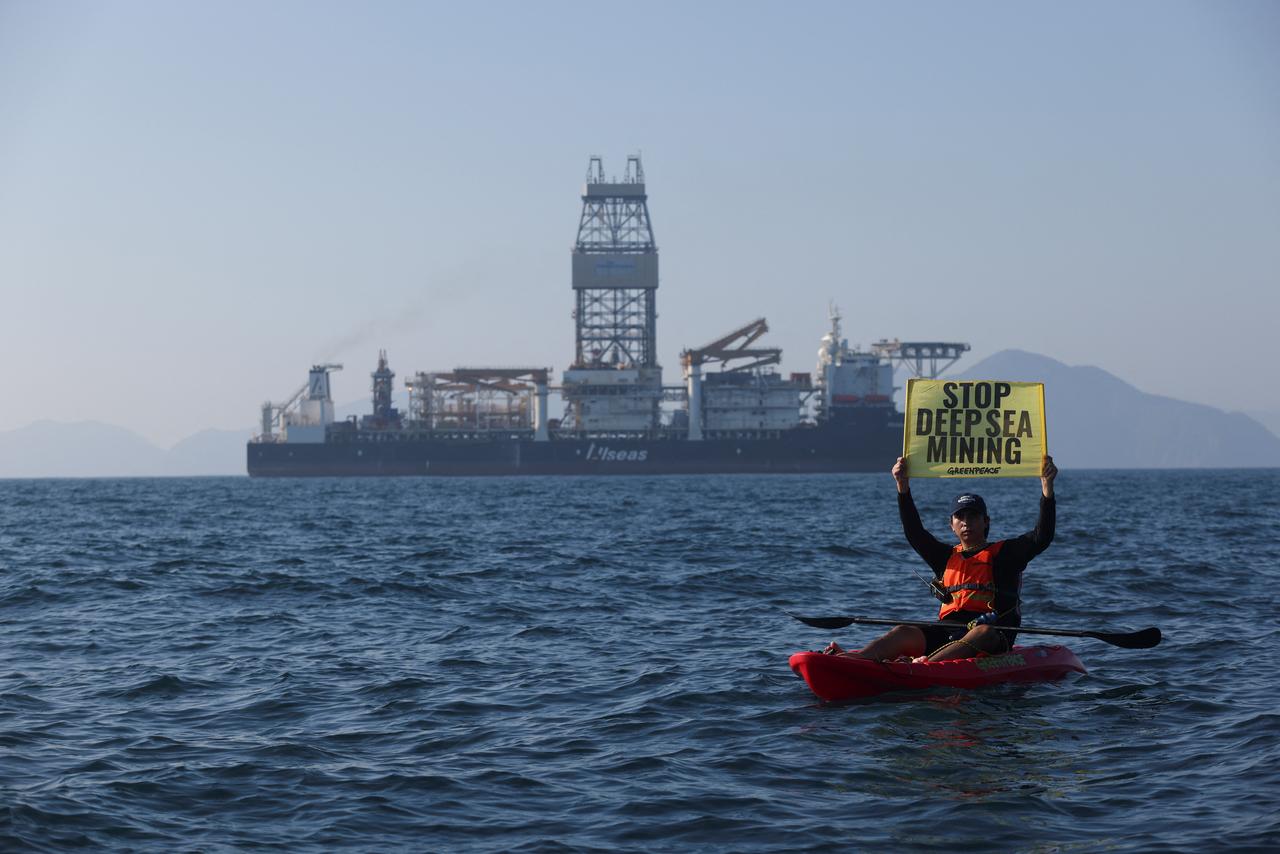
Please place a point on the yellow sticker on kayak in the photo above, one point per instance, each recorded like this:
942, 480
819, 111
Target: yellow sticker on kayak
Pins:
974, 428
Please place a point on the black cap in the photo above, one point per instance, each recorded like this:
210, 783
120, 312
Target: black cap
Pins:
968, 501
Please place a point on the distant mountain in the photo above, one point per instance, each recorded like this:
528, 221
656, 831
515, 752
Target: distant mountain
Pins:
1096, 420
209, 452
78, 449
94, 449
1267, 418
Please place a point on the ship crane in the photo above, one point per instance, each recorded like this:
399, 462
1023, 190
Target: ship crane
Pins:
273, 413
735, 345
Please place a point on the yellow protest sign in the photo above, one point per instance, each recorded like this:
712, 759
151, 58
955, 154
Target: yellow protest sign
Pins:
974, 428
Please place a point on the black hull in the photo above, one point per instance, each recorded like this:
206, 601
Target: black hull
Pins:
800, 451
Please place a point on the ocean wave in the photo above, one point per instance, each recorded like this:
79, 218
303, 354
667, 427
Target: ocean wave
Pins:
196, 665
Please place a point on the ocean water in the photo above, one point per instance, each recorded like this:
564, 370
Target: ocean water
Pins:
599, 664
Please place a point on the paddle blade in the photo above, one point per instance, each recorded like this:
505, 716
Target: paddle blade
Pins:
1144, 639
825, 622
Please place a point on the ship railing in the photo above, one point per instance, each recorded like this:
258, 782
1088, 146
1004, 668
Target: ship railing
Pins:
413, 433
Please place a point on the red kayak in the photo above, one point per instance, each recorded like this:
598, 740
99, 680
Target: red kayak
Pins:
837, 677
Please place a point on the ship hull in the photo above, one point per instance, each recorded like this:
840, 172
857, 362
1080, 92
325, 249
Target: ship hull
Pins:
800, 451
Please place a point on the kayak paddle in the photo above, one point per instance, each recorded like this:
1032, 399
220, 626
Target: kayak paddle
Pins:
1143, 639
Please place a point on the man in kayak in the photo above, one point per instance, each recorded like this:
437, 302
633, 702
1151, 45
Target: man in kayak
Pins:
975, 578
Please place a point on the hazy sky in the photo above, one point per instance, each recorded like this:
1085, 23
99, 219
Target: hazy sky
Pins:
198, 200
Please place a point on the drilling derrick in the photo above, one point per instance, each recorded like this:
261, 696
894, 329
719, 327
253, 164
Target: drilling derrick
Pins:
615, 383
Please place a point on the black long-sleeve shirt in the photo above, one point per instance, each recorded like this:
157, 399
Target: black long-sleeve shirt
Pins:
1009, 562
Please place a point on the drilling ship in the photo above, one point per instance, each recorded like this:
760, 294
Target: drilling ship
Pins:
734, 412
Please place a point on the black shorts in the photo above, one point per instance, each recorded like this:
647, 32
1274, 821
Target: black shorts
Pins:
936, 637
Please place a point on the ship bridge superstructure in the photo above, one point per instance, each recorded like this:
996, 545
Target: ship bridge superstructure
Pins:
614, 386
305, 415
851, 381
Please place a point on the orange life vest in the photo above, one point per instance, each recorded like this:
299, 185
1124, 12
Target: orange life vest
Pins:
971, 580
